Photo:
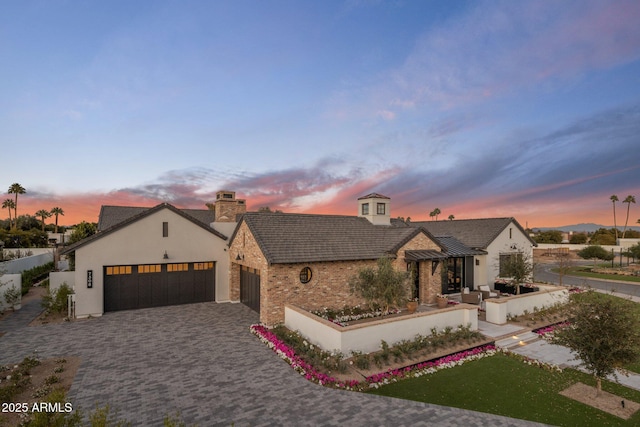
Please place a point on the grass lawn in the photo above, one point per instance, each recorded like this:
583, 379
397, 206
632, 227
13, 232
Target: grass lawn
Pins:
581, 271
506, 386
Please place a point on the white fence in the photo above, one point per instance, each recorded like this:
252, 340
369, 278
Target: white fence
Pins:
366, 337
499, 308
7, 281
19, 265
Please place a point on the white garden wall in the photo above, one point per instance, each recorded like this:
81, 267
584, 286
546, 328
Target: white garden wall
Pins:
7, 281
27, 263
498, 309
366, 337
57, 278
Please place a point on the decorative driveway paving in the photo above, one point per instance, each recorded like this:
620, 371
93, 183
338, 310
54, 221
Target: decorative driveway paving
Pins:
202, 361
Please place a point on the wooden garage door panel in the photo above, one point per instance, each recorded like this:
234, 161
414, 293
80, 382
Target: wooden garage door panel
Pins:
143, 290
250, 288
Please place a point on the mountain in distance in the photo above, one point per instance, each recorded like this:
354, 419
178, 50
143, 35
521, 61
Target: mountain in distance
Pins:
588, 227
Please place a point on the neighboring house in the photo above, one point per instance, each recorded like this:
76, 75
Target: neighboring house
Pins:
499, 238
307, 260
149, 257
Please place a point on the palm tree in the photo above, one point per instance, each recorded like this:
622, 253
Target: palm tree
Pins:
8, 204
437, 212
629, 199
451, 217
16, 189
57, 211
44, 214
614, 199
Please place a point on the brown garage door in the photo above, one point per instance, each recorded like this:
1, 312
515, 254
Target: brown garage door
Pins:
128, 287
250, 288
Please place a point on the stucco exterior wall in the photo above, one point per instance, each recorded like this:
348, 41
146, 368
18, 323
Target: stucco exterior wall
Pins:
142, 243
510, 240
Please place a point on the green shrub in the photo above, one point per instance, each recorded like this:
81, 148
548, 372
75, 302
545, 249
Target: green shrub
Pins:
56, 301
12, 296
34, 275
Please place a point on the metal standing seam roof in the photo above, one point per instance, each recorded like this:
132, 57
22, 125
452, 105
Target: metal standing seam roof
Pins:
295, 238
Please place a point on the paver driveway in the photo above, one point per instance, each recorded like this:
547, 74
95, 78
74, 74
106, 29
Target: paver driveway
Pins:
201, 360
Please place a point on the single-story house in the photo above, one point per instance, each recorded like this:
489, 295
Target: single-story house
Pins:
307, 260
149, 257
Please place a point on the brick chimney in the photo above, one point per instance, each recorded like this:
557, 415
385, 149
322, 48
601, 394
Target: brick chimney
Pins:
227, 207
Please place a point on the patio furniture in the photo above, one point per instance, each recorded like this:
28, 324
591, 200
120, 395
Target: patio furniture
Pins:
470, 297
487, 292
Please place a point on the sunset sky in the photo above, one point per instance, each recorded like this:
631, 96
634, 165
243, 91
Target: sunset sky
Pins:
528, 109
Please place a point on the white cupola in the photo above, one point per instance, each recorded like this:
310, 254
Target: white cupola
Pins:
376, 208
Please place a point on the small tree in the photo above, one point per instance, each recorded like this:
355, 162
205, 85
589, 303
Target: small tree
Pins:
564, 263
604, 333
384, 285
518, 267
595, 252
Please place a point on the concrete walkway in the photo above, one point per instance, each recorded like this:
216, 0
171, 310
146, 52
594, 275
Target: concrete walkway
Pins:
201, 360
526, 343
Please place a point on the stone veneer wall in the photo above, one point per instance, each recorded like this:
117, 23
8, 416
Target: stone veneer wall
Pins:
430, 284
245, 246
329, 287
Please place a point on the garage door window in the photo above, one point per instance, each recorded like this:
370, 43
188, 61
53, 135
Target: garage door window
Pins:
118, 269
153, 268
203, 266
171, 268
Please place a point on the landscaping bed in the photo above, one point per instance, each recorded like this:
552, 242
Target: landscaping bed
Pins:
33, 381
359, 371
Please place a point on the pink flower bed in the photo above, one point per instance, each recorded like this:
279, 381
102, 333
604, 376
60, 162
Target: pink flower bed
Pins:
431, 367
302, 367
311, 374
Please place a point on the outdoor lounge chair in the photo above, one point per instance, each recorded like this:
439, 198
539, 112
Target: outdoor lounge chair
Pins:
470, 297
487, 292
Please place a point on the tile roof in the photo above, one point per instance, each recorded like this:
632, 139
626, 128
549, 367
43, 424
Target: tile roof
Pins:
374, 196
113, 215
118, 217
474, 233
292, 238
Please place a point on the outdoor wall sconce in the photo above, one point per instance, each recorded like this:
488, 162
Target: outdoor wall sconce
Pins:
477, 262
239, 257
165, 256
514, 246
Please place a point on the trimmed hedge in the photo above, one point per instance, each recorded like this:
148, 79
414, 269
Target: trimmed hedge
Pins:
34, 275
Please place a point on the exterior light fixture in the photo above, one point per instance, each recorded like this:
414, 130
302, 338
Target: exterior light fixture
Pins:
165, 256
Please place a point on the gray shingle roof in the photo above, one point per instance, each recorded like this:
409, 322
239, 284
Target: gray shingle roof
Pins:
292, 238
474, 233
118, 217
111, 216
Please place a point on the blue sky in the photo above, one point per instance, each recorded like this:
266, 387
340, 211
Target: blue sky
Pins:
528, 109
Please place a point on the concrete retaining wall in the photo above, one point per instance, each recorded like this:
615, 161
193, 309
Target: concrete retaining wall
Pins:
499, 308
366, 337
